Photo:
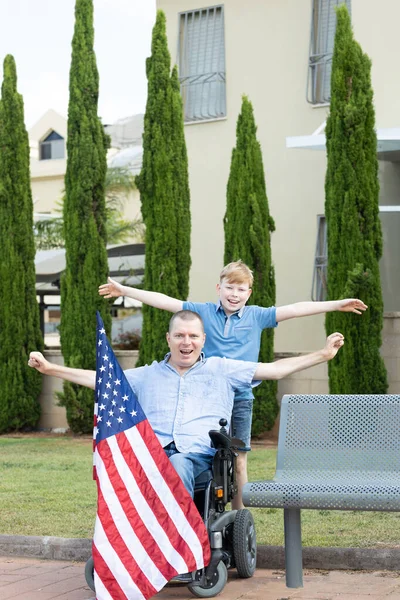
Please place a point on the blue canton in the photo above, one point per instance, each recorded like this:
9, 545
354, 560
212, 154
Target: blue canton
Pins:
117, 406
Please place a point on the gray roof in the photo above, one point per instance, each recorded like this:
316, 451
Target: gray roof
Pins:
125, 263
128, 158
126, 132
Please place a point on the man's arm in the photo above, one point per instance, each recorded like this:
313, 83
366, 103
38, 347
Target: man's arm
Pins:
80, 376
112, 289
305, 309
286, 366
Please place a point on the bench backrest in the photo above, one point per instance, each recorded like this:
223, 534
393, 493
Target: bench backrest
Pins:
339, 433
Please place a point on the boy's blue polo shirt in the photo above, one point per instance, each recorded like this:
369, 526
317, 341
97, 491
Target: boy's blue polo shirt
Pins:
237, 336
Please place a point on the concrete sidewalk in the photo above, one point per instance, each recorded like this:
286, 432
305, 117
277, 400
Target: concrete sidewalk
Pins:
32, 579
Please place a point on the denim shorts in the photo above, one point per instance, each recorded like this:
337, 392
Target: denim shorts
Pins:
241, 421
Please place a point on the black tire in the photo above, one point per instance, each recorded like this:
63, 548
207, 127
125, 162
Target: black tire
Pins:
215, 586
244, 543
89, 573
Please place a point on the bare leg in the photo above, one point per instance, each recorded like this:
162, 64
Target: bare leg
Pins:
241, 479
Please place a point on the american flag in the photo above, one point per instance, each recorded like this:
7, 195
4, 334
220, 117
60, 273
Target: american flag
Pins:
147, 528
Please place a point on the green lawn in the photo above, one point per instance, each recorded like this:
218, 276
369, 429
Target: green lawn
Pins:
46, 488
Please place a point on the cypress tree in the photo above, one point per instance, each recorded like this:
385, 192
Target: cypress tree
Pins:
84, 215
248, 227
352, 213
164, 193
19, 311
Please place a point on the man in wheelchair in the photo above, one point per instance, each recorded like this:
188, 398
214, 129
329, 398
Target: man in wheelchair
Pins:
184, 398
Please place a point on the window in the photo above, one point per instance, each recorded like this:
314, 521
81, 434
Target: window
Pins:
390, 281
323, 26
318, 291
389, 265
201, 60
52, 147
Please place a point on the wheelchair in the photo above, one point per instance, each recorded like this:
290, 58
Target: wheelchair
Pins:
231, 533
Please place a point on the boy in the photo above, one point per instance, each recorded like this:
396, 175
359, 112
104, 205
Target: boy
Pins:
233, 330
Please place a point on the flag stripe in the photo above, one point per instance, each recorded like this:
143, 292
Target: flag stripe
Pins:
179, 505
147, 526
145, 551
101, 591
128, 556
110, 569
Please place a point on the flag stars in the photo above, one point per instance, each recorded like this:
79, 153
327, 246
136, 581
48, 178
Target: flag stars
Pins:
102, 368
125, 398
108, 385
105, 357
111, 413
108, 423
122, 409
99, 343
102, 331
117, 382
99, 418
99, 380
102, 407
120, 419
113, 403
133, 413
115, 392
110, 375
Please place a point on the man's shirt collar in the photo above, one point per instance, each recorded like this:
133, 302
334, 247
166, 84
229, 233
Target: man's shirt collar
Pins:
200, 361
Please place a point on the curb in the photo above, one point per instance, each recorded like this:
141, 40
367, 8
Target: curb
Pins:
268, 557
333, 558
54, 548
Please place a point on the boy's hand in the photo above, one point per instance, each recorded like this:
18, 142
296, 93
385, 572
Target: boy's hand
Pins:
352, 305
333, 343
112, 289
37, 361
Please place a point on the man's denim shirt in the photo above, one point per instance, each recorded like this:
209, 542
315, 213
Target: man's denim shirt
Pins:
184, 408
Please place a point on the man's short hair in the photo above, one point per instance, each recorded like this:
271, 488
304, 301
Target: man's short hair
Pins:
237, 272
185, 315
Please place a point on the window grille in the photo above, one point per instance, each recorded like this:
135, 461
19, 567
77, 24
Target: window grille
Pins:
52, 147
323, 27
319, 289
201, 60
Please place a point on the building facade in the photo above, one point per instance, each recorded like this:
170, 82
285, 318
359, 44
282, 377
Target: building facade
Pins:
279, 53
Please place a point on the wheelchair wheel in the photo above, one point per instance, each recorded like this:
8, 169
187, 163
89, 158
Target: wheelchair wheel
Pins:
244, 543
215, 586
89, 573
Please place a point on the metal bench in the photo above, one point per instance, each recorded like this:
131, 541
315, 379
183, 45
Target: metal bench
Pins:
335, 453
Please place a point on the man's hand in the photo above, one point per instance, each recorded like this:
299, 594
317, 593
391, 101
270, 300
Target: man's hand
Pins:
112, 289
333, 343
37, 361
352, 305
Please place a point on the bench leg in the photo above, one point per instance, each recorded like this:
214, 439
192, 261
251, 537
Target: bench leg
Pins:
293, 549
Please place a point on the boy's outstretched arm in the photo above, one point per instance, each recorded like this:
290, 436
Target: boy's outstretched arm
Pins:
286, 366
113, 289
305, 309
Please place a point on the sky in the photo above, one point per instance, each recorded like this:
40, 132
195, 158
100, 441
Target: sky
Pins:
38, 33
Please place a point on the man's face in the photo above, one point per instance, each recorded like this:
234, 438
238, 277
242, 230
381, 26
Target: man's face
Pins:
233, 295
185, 341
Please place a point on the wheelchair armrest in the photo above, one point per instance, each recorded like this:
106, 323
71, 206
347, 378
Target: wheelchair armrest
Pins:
223, 440
219, 440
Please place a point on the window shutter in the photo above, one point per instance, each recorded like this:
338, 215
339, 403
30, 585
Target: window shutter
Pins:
201, 60
323, 27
